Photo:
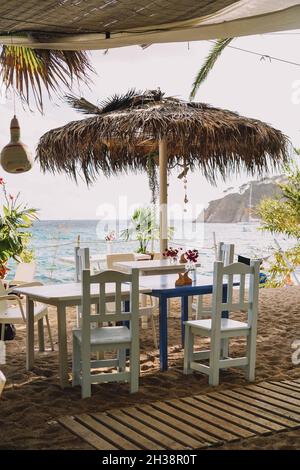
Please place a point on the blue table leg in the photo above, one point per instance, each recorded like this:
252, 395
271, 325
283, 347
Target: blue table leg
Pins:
184, 315
163, 332
225, 313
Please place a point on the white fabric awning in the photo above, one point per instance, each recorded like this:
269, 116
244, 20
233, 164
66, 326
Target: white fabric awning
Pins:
239, 18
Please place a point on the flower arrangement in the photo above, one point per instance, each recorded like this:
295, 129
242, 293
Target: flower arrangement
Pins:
170, 253
111, 236
192, 255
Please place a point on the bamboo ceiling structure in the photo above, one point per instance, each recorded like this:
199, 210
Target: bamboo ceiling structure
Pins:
103, 24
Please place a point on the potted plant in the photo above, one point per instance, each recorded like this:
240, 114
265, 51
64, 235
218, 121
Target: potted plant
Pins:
15, 220
142, 227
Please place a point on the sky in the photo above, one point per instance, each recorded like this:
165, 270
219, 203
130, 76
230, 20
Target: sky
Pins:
242, 82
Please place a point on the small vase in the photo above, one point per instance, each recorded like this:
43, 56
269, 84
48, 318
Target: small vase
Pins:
182, 259
191, 268
108, 247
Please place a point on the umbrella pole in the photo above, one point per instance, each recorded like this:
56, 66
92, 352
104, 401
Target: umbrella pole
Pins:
163, 194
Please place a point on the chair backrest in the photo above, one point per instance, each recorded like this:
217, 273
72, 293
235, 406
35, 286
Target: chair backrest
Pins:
225, 253
82, 261
236, 272
116, 257
105, 282
3, 303
25, 272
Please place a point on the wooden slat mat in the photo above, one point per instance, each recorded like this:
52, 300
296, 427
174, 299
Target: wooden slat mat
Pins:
193, 422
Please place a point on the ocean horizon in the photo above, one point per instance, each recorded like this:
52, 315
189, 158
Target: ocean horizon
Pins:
55, 239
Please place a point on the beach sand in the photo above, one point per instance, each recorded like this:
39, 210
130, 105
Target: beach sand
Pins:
32, 401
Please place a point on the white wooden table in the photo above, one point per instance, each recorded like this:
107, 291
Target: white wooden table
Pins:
98, 260
61, 296
152, 267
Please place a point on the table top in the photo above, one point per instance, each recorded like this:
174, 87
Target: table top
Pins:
154, 285
94, 259
72, 292
152, 265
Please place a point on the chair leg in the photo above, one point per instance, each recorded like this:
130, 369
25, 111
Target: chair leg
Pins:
154, 332
188, 350
144, 318
86, 387
225, 347
190, 308
2, 331
75, 363
214, 363
41, 335
78, 316
199, 307
169, 307
49, 333
122, 360
134, 371
251, 355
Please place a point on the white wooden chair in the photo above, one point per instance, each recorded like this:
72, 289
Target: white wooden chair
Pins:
225, 253
120, 338
2, 382
82, 261
24, 274
218, 328
12, 312
145, 311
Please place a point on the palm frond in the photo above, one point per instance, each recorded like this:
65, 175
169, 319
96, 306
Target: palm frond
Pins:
117, 101
82, 105
209, 63
32, 71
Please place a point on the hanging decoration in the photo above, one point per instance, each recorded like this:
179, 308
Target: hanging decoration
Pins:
15, 156
183, 176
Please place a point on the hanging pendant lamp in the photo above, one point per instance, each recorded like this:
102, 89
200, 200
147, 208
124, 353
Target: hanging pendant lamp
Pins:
15, 156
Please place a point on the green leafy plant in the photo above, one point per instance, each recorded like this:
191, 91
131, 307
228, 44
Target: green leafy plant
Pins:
143, 228
281, 215
31, 71
15, 220
209, 63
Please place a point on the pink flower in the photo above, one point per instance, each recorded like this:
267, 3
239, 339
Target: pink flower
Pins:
2, 181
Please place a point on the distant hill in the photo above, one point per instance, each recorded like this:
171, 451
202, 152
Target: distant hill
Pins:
236, 205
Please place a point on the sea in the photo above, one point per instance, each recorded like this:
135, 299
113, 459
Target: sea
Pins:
53, 240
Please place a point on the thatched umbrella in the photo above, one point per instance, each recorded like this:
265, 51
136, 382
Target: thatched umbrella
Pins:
127, 132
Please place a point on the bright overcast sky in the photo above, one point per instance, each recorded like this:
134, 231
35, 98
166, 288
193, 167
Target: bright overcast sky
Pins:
240, 82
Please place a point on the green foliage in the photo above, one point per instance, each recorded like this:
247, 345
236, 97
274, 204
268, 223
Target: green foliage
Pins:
279, 271
31, 71
281, 215
142, 227
15, 221
209, 63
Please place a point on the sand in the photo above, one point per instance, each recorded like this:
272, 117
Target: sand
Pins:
32, 401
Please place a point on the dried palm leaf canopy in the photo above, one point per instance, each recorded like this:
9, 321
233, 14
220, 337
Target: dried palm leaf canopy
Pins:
124, 134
